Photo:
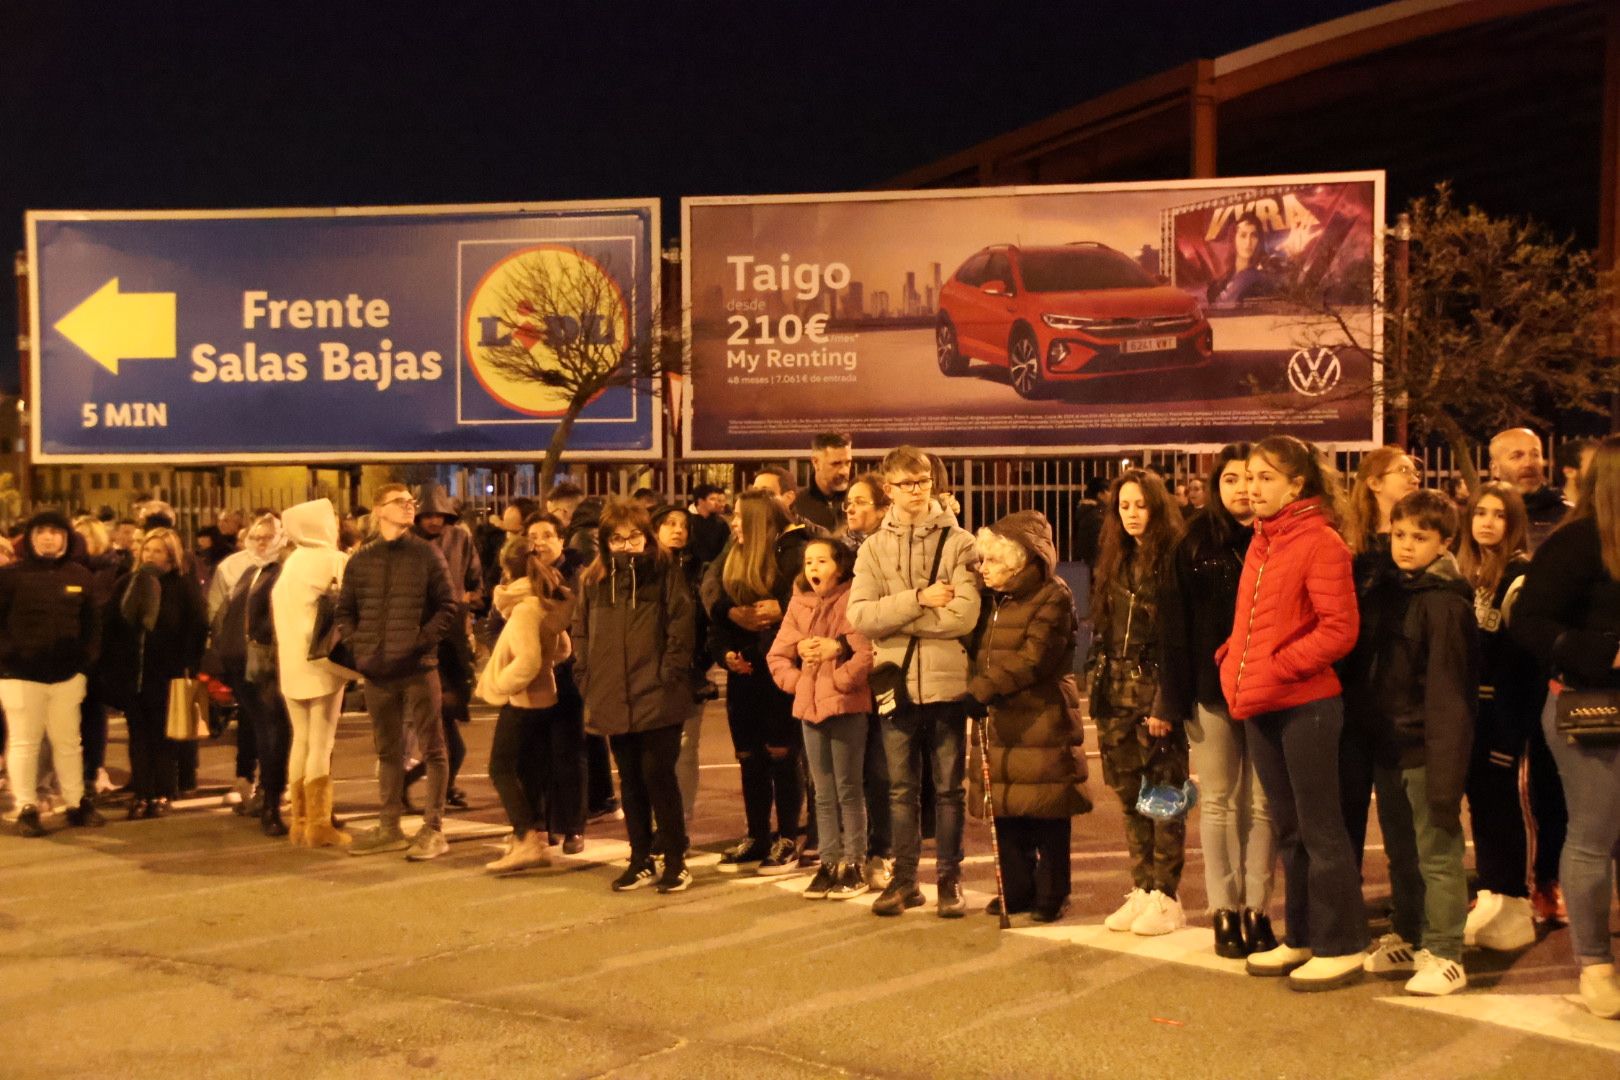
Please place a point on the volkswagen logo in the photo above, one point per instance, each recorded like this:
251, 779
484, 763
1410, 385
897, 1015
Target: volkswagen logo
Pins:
1313, 372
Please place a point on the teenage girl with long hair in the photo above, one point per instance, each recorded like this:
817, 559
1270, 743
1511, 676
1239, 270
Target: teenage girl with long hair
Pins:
756, 579
1138, 537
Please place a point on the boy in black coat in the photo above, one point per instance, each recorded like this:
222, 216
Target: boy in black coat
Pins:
1424, 680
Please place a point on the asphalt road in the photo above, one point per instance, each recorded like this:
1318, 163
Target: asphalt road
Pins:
194, 946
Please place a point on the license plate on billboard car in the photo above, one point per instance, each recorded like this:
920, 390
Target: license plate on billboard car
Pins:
1150, 344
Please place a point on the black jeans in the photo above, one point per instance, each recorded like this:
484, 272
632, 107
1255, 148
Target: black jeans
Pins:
879, 830
1501, 848
1034, 861
247, 740
1356, 774
1296, 755
1548, 810
153, 757
533, 764
769, 744
266, 714
651, 792
92, 735
944, 725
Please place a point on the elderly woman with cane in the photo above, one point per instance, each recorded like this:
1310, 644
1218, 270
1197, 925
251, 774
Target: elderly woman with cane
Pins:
1025, 700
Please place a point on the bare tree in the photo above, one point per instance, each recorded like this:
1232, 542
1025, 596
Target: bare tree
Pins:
1500, 325
565, 326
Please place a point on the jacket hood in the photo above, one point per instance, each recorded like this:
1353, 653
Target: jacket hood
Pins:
51, 518
312, 524
1443, 573
938, 517
436, 500
1030, 530
509, 595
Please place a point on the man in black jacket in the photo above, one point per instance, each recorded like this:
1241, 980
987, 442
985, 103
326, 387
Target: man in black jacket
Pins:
822, 500
396, 605
49, 633
1516, 458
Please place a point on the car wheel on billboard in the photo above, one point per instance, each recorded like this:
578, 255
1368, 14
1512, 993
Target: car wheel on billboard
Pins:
1024, 365
951, 360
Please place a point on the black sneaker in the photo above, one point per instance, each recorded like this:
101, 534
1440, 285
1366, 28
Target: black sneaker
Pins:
851, 882
636, 876
783, 859
28, 822
952, 904
821, 884
85, 815
899, 896
742, 855
675, 879
456, 799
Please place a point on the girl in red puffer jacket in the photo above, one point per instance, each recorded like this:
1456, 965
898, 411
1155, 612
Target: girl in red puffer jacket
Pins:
1296, 615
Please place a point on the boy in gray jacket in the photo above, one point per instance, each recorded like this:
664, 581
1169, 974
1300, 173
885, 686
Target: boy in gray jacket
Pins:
894, 601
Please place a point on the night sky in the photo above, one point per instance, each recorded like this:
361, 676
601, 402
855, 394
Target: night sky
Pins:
244, 104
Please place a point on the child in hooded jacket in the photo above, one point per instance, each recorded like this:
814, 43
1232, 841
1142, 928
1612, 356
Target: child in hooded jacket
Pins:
1424, 679
1023, 689
823, 661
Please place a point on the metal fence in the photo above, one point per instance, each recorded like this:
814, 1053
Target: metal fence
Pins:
986, 488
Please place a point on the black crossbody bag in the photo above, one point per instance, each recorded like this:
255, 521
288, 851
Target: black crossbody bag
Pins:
1587, 716
888, 680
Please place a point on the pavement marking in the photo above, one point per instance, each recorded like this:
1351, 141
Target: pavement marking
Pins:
1552, 1016
1191, 946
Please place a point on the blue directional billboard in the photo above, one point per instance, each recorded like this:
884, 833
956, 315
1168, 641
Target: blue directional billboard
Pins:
338, 335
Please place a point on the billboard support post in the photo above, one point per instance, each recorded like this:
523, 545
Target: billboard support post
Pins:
1403, 296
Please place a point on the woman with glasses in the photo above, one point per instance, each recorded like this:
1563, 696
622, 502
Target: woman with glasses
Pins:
1386, 476
633, 637
865, 504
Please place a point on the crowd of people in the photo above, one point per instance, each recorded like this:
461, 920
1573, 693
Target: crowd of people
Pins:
1294, 641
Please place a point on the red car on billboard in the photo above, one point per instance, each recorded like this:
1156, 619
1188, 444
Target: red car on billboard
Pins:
1053, 315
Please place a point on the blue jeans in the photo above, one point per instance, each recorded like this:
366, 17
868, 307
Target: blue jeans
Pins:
1296, 754
945, 725
1591, 776
835, 750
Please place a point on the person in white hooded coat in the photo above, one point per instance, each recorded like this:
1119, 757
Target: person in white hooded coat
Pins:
313, 689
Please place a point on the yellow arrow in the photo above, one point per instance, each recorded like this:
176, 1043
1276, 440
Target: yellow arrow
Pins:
111, 326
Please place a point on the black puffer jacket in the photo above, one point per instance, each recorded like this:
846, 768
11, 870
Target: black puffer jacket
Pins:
396, 605
1021, 670
1546, 509
50, 627
1196, 606
633, 638
1424, 675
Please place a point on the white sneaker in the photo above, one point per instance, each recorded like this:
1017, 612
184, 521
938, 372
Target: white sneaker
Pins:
1161, 915
1326, 973
1501, 923
1278, 961
1436, 976
1600, 991
1135, 903
1391, 955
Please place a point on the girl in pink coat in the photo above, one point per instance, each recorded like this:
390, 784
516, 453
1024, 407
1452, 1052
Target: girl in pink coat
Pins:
823, 662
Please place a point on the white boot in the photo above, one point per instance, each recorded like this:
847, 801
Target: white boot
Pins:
1600, 991
1326, 972
1509, 925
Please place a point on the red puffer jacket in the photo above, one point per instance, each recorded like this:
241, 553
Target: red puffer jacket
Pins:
1296, 614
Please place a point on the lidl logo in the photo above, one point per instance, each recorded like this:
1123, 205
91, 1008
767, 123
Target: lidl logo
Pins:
537, 321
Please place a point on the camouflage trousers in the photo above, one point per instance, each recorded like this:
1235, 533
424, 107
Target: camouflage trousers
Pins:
1157, 848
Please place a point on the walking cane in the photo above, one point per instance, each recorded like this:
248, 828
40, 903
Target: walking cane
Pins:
990, 817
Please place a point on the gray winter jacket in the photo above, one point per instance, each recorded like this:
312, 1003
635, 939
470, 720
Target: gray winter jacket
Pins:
890, 568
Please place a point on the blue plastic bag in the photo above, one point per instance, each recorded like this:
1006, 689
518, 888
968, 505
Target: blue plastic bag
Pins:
1163, 802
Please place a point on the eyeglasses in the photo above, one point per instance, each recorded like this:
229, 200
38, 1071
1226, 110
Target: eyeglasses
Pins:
406, 501
859, 502
910, 485
1404, 470
621, 543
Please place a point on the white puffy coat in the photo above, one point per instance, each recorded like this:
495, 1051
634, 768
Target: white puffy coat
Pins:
315, 563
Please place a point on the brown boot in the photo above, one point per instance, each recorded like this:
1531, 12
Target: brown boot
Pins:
318, 832
296, 826
528, 853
